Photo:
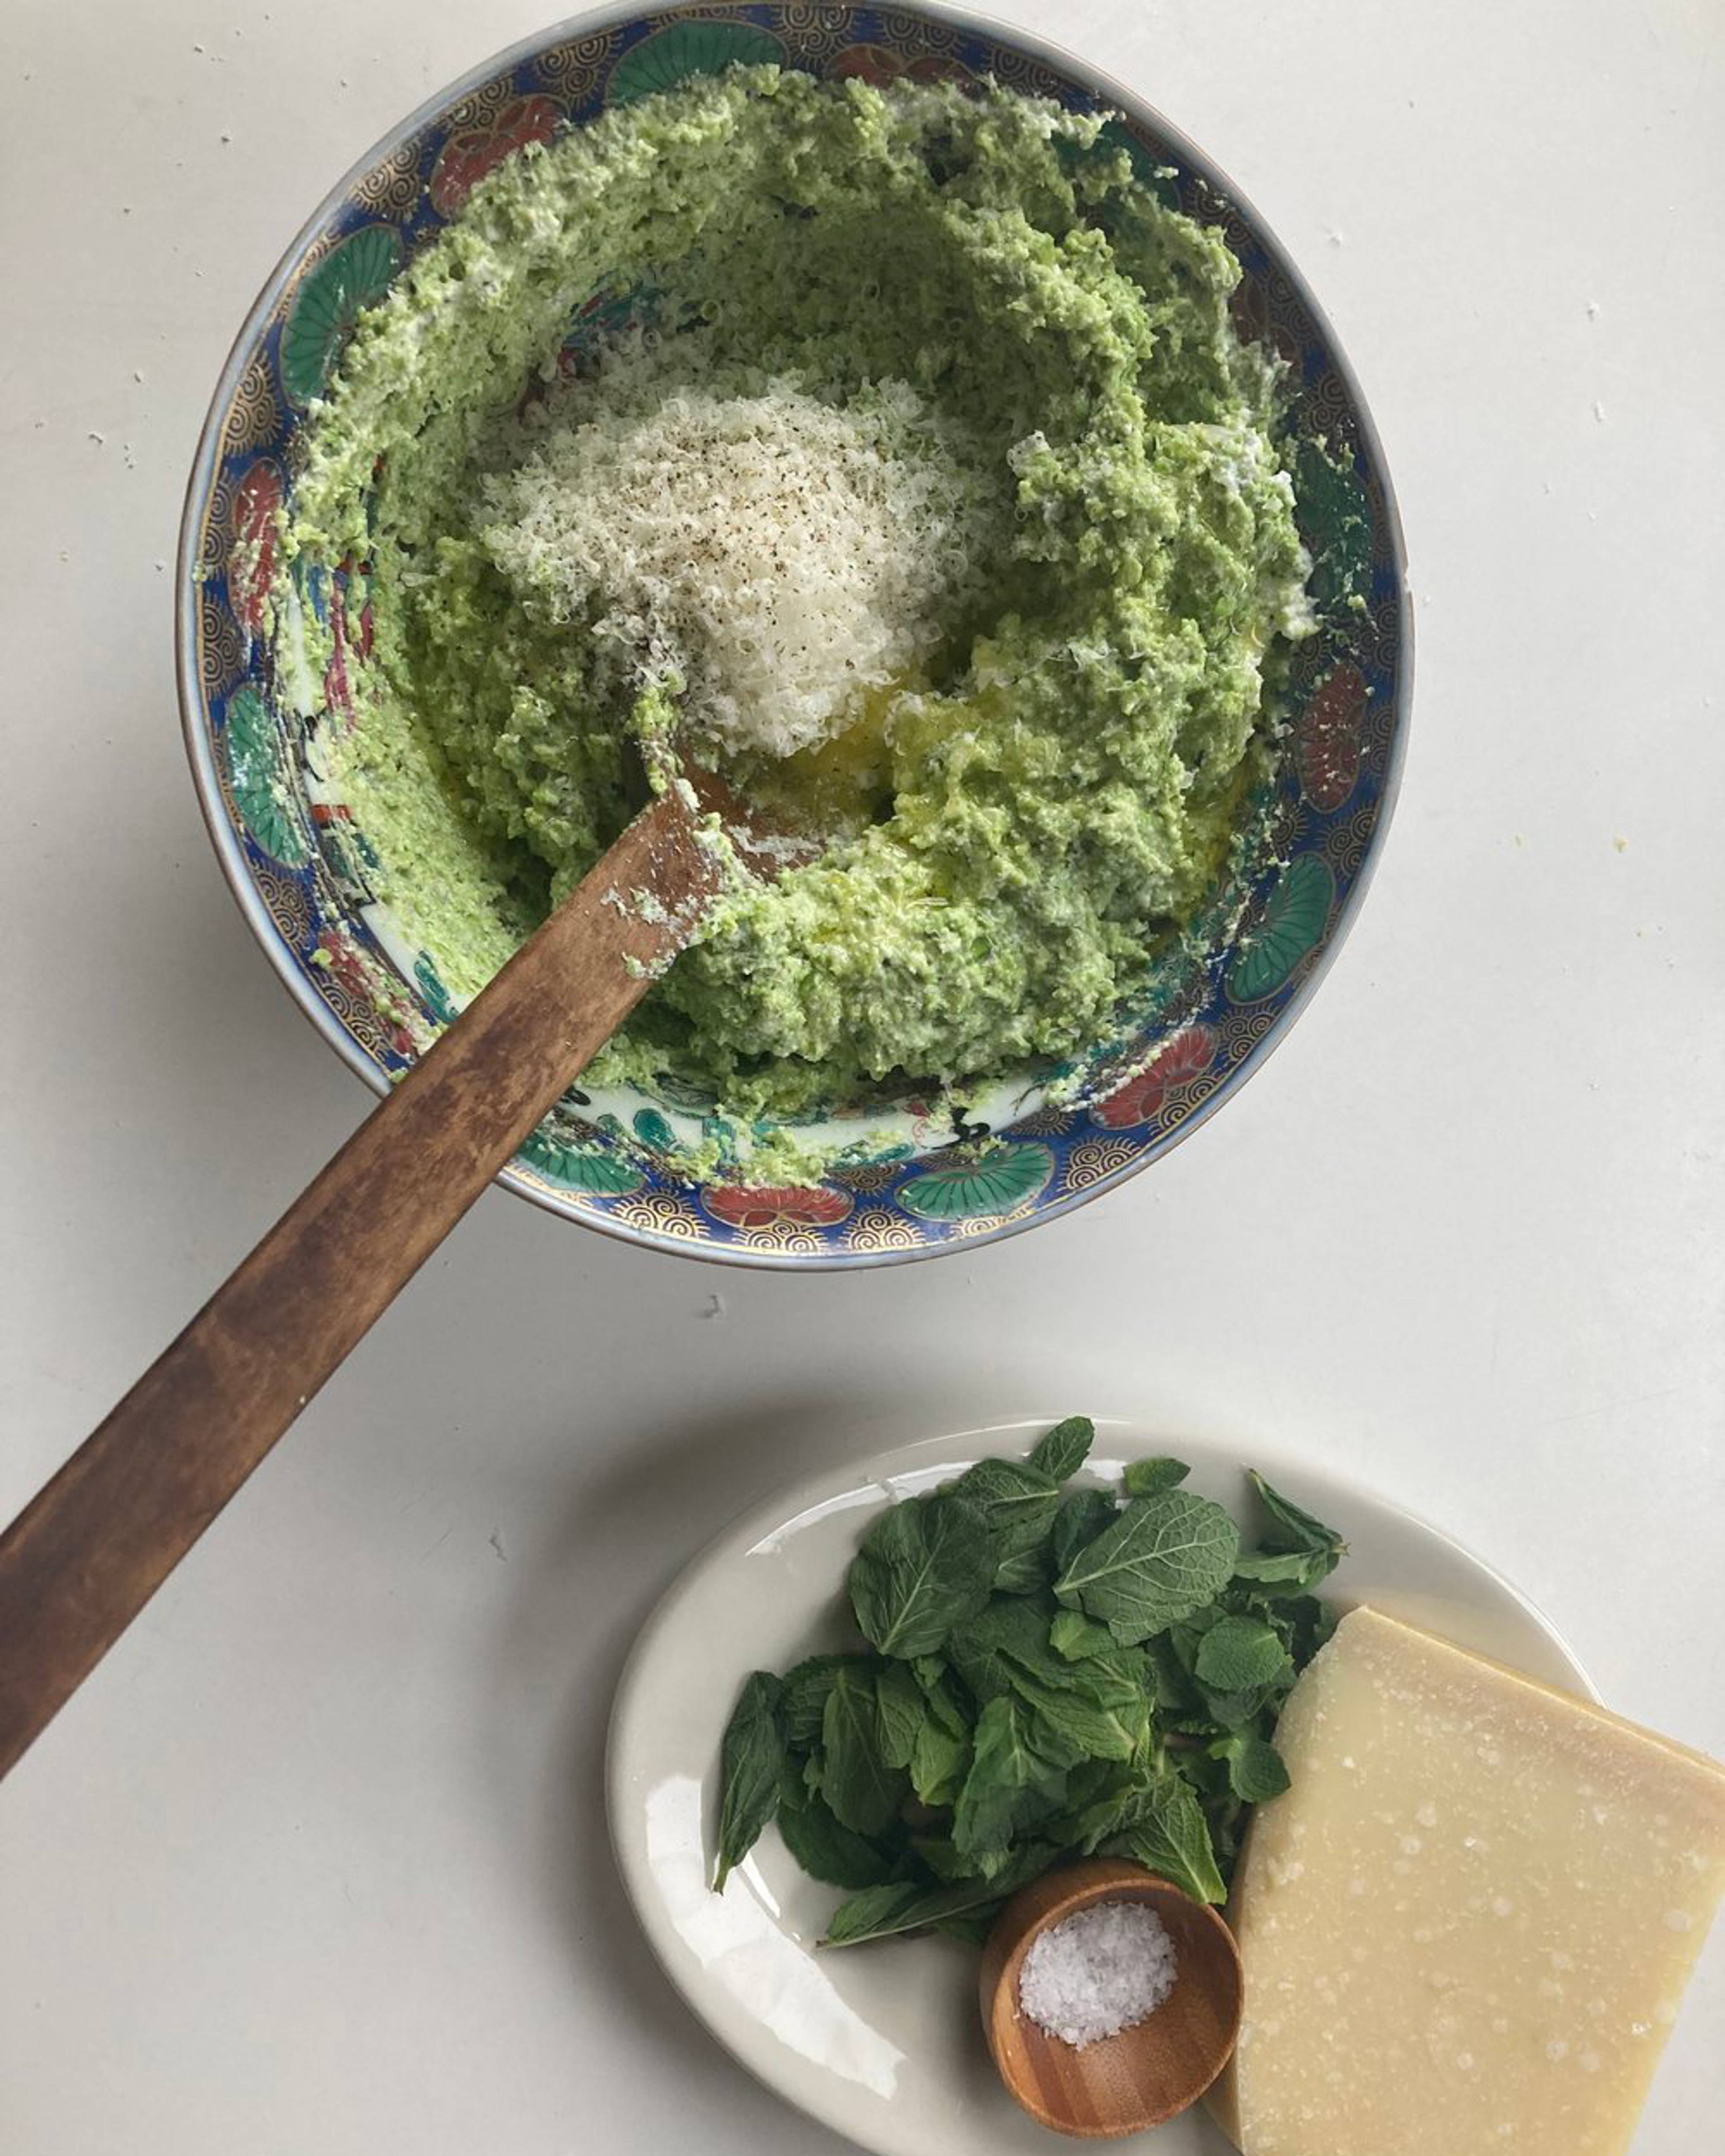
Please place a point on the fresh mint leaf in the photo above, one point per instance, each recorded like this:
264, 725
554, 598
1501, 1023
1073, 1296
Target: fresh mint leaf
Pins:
973, 1926
1258, 1605
1297, 1571
1257, 1771
1227, 1832
1263, 1577
1231, 1710
1119, 1678
1305, 1621
1117, 1684
1064, 1449
939, 1765
1087, 1781
941, 1757
831, 1851
1030, 1572
947, 1707
901, 1711
928, 1670
1324, 1618
1206, 1768
1239, 1654
924, 1566
983, 1647
1095, 1709
1172, 1838
1075, 1636
864, 1793
1183, 1642
882, 1912
1302, 1622
1103, 1810
1070, 1719
1082, 1517
1018, 1503
751, 1762
1292, 1527
1164, 1559
1170, 1681
940, 1854
1149, 1478
804, 1697
872, 1913
1015, 1781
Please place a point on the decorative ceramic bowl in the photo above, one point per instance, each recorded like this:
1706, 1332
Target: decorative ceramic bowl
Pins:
915, 1180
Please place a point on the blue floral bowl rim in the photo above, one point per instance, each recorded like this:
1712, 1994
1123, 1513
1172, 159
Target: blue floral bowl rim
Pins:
200, 746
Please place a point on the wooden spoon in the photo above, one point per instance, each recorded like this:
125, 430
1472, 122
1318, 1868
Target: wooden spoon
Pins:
1127, 2083
87, 1553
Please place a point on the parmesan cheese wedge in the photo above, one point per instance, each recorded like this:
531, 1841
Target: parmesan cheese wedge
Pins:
1467, 1926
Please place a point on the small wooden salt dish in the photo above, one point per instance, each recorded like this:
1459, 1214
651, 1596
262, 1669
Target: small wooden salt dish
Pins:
1126, 2083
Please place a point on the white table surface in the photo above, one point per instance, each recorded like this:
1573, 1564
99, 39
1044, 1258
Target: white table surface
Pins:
315, 1861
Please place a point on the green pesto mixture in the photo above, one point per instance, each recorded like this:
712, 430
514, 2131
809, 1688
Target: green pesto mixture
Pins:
1019, 820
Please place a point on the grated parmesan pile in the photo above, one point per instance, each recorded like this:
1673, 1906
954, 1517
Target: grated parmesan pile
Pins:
768, 555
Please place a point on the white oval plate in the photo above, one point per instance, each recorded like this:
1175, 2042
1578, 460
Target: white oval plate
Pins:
884, 2043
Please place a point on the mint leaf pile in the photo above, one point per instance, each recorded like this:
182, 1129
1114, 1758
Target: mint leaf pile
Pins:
1047, 1672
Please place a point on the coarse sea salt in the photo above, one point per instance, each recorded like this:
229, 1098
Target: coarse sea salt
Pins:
1104, 1969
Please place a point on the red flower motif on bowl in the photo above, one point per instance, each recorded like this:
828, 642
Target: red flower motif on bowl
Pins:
877, 64
1187, 1056
796, 1205
1327, 737
466, 158
340, 958
251, 560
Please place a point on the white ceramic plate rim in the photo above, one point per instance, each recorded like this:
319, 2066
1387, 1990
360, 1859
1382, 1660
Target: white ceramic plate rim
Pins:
639, 1735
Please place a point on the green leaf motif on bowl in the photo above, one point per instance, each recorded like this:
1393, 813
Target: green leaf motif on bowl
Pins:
1000, 1181
1294, 919
603, 316
581, 1167
652, 1129
254, 755
1148, 170
353, 275
1335, 519
669, 56
719, 1133
680, 1093
431, 988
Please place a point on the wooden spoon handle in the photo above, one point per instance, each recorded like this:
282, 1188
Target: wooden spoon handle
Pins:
84, 1557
